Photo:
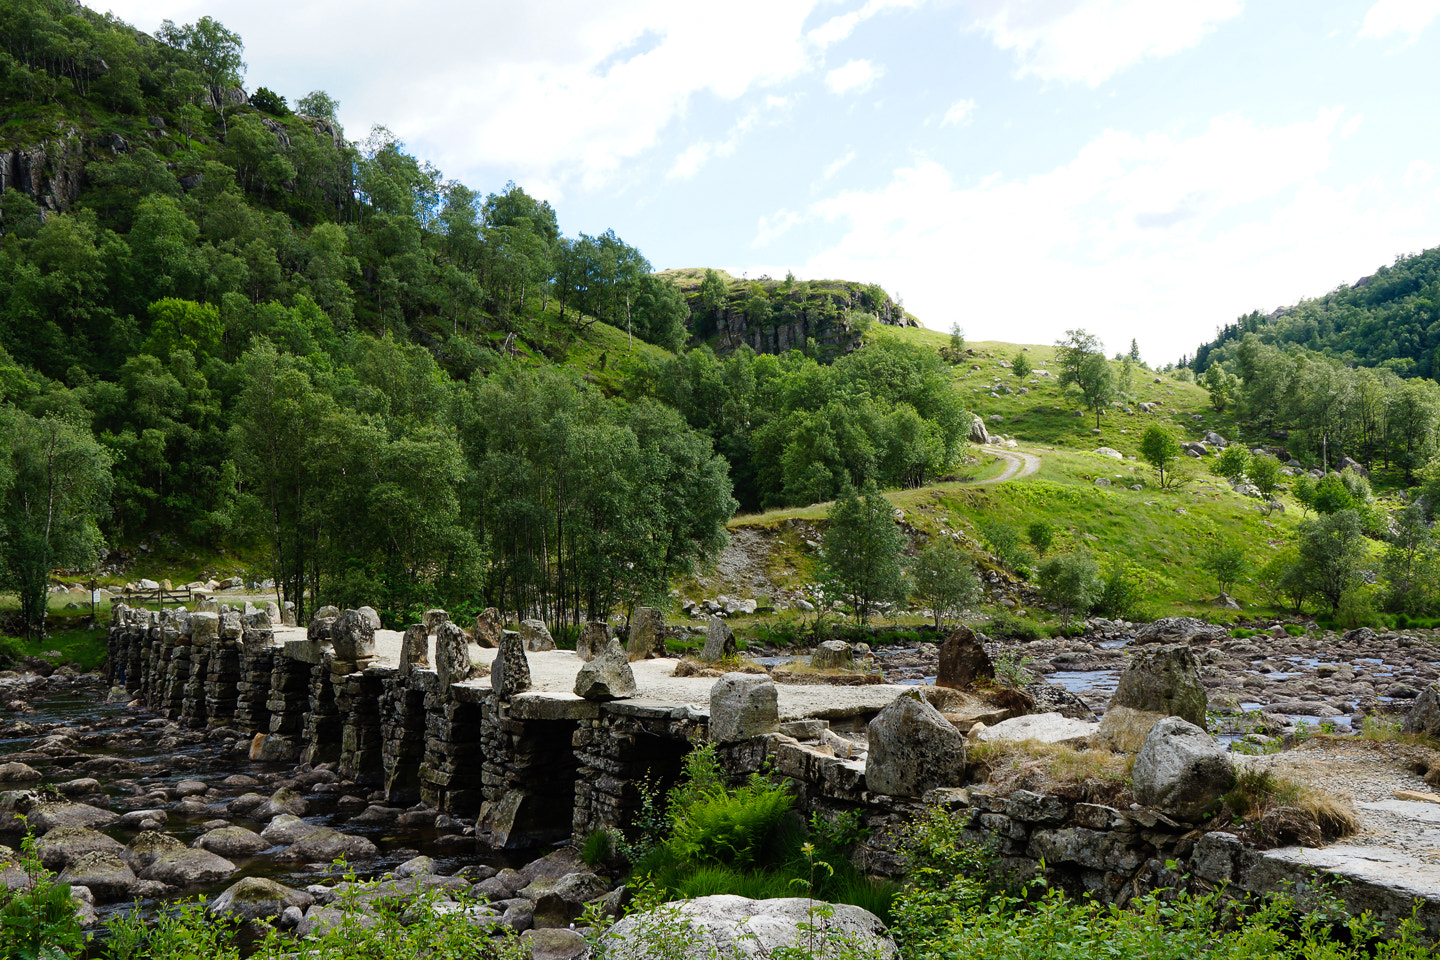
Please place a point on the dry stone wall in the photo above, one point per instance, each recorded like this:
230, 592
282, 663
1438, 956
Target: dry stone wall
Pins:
531, 767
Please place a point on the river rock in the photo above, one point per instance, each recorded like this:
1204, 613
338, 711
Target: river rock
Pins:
833, 655
1181, 770
913, 748
149, 846
963, 660
729, 926
719, 641
594, 636
489, 625
563, 900
536, 636
1181, 630
647, 629
323, 845
1423, 717
452, 654
105, 875
46, 816
414, 649
743, 705
233, 842
510, 672
607, 677
188, 867
284, 800
554, 943
152, 819
63, 845
17, 772
286, 829
258, 898
1163, 680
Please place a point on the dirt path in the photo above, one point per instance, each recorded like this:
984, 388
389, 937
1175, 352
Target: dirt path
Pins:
1017, 465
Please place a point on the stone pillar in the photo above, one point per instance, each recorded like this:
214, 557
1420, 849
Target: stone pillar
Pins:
402, 732
450, 773
357, 697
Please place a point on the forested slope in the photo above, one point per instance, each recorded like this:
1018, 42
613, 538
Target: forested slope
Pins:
1390, 319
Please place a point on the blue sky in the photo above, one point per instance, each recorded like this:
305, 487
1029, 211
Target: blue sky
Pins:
1144, 169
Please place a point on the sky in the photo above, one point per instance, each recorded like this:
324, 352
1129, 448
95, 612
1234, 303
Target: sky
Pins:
1141, 169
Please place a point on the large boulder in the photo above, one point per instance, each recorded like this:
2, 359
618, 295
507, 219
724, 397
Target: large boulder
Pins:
414, 649
61, 846
258, 898
150, 845
833, 655
731, 926
978, 433
452, 654
17, 772
322, 845
286, 829
647, 630
594, 637
104, 874
743, 705
47, 816
963, 660
188, 867
232, 842
1181, 770
1163, 680
719, 641
1424, 715
1181, 630
285, 800
607, 677
536, 636
913, 748
510, 672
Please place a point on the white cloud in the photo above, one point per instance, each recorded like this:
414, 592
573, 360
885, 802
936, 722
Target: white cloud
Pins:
772, 227
839, 27
1152, 236
560, 92
1352, 126
959, 113
1399, 16
697, 155
855, 76
836, 165
1419, 172
1088, 41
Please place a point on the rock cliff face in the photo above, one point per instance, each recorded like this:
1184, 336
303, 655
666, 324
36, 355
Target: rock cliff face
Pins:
48, 172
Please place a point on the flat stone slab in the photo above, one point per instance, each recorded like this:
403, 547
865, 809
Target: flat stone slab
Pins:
1042, 727
1409, 809
552, 678
1374, 866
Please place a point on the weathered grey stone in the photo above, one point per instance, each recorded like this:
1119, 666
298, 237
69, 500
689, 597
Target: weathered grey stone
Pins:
46, 816
1181, 770
913, 748
489, 625
433, 618
1041, 727
16, 772
414, 649
719, 641
594, 636
1181, 630
510, 671
606, 677
731, 926
564, 899
188, 867
536, 636
452, 654
554, 943
743, 705
61, 846
232, 842
284, 800
323, 845
647, 629
421, 866
353, 636
963, 660
286, 829
1163, 680
258, 898
832, 655
1424, 715
204, 628
149, 846
104, 874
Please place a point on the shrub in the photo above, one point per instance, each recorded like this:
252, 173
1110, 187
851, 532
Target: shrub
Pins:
1071, 581
37, 915
1012, 626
